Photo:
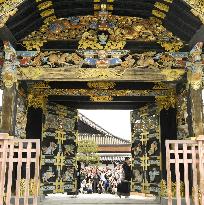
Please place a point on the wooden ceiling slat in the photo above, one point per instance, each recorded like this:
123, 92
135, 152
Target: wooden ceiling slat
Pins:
27, 8
25, 21
65, 13
26, 30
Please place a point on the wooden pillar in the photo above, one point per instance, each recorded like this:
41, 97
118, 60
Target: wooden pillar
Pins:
197, 111
9, 89
8, 110
195, 68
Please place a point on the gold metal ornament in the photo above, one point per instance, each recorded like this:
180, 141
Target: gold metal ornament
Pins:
101, 85
59, 186
172, 192
33, 187
101, 98
59, 161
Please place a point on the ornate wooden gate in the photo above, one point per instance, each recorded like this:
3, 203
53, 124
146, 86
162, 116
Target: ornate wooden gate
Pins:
145, 129
58, 150
185, 158
19, 170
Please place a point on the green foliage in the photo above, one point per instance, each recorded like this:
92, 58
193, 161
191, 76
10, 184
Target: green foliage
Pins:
87, 152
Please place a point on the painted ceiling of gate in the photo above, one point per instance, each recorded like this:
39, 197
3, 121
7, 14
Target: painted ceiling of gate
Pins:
70, 24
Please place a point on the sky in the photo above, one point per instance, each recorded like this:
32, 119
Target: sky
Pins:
116, 122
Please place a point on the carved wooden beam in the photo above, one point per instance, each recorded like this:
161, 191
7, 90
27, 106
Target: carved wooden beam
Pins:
97, 74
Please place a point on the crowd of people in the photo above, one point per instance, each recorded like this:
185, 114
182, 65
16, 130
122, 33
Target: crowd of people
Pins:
106, 180
100, 180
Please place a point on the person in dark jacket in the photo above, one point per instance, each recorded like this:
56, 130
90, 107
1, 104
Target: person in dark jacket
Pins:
123, 188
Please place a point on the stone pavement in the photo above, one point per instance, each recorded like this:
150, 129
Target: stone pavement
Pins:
81, 199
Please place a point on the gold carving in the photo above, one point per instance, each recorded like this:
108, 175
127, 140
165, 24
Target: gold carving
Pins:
171, 46
160, 86
125, 28
34, 44
31, 73
36, 97
160, 9
36, 101
101, 98
172, 74
40, 85
196, 192
8, 9
101, 85
172, 191
44, 5
161, 6
163, 188
99, 73
47, 12
96, 92
33, 187
165, 102
40, 91
158, 13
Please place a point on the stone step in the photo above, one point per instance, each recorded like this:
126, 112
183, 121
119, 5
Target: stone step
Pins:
97, 199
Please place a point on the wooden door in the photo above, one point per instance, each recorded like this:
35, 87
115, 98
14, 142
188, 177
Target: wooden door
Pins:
58, 150
146, 166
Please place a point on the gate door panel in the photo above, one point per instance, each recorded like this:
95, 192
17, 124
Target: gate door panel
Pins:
145, 130
58, 147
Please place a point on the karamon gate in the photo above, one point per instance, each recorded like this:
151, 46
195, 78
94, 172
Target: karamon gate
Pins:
60, 56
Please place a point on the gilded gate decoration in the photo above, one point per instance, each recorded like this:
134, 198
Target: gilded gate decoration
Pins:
58, 150
146, 150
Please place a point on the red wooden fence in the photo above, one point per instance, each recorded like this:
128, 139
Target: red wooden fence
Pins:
186, 158
19, 171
